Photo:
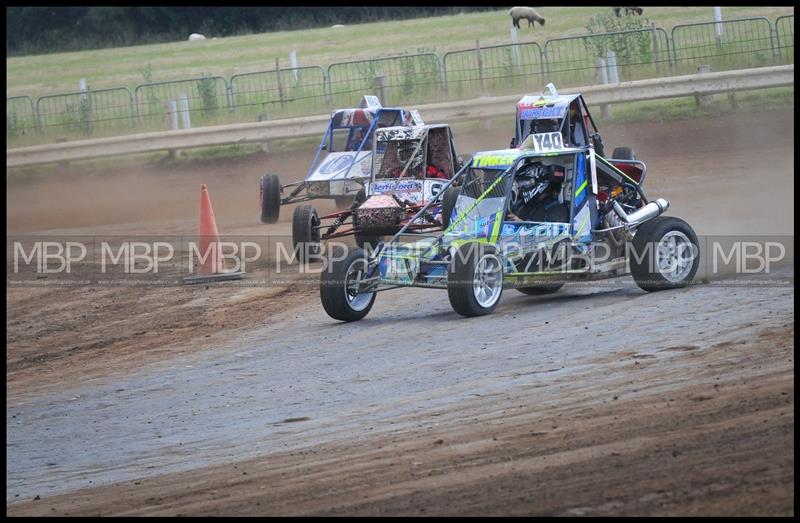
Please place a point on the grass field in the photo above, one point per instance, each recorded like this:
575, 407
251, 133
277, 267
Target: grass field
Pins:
60, 72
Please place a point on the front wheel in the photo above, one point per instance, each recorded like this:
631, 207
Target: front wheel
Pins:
305, 233
339, 288
475, 282
665, 254
270, 198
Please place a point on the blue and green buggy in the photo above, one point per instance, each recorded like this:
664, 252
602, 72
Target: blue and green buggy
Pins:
530, 218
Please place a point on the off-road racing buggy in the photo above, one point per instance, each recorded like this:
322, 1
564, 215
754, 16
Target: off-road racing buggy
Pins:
566, 114
530, 218
410, 167
343, 170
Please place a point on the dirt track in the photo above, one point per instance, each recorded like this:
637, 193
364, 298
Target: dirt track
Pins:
515, 413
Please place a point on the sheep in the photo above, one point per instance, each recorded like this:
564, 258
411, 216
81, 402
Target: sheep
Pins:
527, 13
628, 10
196, 37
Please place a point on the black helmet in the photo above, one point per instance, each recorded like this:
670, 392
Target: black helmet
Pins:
530, 182
533, 182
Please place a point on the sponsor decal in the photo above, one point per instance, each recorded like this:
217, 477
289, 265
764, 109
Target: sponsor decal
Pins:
401, 186
535, 233
399, 133
337, 164
494, 160
536, 113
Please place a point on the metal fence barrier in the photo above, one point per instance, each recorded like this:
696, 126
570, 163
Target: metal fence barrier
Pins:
784, 37
730, 44
405, 79
638, 53
274, 94
207, 100
495, 68
86, 113
21, 121
396, 79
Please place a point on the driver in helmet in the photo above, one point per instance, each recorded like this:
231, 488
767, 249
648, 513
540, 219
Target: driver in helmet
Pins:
535, 195
404, 153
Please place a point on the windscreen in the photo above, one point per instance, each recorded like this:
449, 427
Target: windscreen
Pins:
392, 156
480, 205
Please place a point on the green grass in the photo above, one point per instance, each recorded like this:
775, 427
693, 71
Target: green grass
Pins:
684, 108
56, 73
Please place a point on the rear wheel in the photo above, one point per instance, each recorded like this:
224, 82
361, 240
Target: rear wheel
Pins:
449, 203
338, 289
665, 254
623, 153
270, 198
475, 282
305, 233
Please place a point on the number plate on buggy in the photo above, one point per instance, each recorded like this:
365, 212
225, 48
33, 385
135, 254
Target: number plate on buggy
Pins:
546, 142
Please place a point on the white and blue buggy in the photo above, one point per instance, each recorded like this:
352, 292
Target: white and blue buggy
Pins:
530, 218
343, 160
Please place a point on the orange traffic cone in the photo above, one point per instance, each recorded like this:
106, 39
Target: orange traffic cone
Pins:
211, 261
212, 265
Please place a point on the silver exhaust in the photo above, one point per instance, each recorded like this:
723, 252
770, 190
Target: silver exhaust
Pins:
649, 211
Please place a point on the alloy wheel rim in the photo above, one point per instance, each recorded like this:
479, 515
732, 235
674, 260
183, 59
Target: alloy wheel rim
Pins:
488, 280
675, 256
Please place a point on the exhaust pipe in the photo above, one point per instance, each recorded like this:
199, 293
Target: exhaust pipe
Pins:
651, 210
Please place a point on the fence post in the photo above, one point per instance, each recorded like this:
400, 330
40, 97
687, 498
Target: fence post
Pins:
602, 78
613, 76
172, 117
231, 99
293, 64
37, 118
706, 99
718, 25
443, 62
326, 86
656, 48
544, 66
514, 48
183, 106
378, 84
86, 99
773, 40
480, 64
280, 83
